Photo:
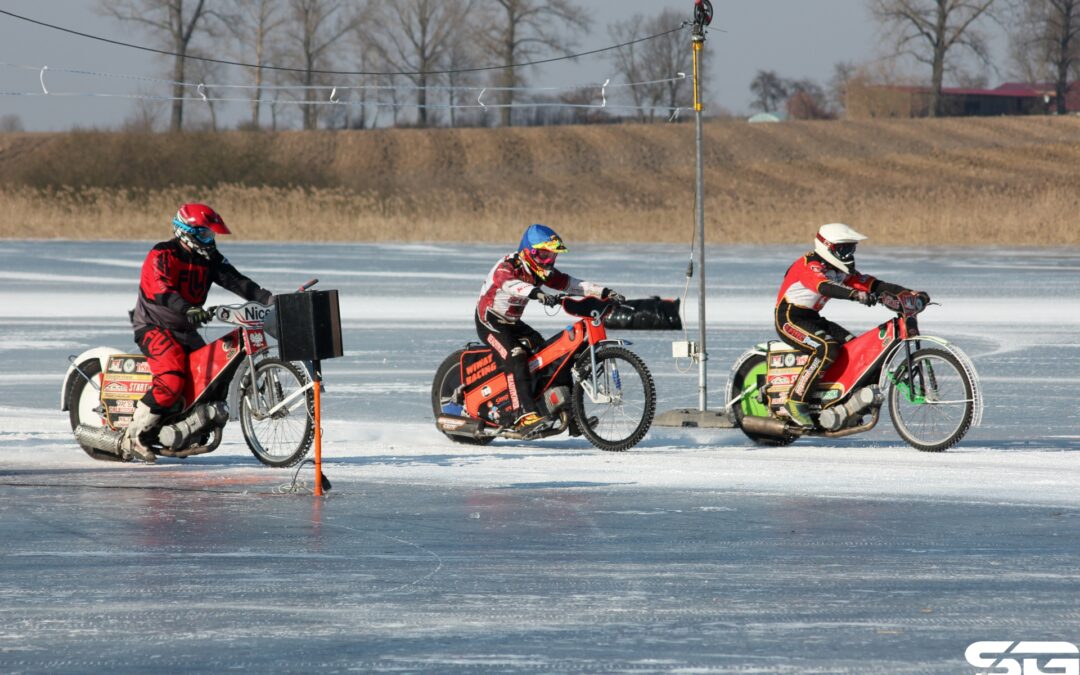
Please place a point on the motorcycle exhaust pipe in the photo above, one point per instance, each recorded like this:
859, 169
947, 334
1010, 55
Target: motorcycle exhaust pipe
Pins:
100, 438
765, 426
458, 426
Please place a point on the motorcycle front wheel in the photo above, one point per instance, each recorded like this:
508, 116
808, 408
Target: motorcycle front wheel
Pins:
616, 412
277, 412
932, 405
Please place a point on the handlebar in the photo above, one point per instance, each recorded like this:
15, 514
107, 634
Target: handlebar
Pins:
309, 284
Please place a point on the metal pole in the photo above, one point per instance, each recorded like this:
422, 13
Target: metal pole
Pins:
699, 215
316, 371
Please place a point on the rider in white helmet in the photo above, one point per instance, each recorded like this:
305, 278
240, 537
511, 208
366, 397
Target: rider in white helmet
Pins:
826, 272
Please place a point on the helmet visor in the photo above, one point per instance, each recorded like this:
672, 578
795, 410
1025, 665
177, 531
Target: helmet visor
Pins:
846, 251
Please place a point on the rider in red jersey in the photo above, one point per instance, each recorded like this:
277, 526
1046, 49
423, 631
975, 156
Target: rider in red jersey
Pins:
824, 273
176, 278
509, 286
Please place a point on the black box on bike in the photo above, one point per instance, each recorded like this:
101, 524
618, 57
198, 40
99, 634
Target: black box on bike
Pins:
308, 326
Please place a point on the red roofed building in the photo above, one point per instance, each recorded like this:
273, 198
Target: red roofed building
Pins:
1011, 98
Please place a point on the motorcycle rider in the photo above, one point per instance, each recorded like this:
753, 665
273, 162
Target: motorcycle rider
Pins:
826, 272
175, 281
511, 283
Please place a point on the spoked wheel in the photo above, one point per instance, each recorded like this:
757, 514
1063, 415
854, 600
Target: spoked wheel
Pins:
749, 382
277, 410
84, 405
932, 406
619, 411
446, 382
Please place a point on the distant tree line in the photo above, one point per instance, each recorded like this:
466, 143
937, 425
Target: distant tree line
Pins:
1044, 48
435, 46
444, 51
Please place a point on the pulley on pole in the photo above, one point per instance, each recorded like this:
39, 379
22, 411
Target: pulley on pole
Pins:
702, 417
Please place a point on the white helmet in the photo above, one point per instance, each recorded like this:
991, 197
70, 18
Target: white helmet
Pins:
836, 244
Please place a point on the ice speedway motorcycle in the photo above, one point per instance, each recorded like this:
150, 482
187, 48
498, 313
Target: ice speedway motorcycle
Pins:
585, 382
273, 399
931, 386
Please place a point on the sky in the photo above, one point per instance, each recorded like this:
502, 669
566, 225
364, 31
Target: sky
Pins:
796, 38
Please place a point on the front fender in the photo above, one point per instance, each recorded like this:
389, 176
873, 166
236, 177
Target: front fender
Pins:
102, 354
760, 349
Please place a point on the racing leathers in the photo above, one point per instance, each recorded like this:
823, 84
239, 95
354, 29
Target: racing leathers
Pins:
810, 282
507, 290
175, 280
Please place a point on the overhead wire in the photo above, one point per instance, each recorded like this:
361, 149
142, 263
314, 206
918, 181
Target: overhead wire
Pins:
226, 62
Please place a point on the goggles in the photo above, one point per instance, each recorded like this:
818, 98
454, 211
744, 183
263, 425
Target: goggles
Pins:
543, 256
844, 251
203, 235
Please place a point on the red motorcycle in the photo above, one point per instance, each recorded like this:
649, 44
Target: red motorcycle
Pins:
272, 398
585, 382
931, 386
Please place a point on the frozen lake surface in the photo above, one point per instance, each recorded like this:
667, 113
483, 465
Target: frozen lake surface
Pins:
694, 551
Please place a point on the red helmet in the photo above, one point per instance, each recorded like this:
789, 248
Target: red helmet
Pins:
196, 225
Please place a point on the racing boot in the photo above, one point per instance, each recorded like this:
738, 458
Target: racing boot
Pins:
800, 413
529, 422
141, 421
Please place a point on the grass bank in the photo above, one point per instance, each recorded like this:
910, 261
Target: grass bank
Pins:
945, 182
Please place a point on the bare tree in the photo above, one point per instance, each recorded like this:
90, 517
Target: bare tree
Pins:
314, 32
843, 73
657, 61
415, 37
514, 31
807, 101
928, 30
10, 123
460, 56
628, 60
769, 90
1047, 40
174, 20
252, 23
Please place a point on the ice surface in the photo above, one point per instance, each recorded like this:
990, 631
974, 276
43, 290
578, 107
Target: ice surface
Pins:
695, 551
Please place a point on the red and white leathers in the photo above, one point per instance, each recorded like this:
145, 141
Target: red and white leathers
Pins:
508, 288
810, 282
174, 279
510, 285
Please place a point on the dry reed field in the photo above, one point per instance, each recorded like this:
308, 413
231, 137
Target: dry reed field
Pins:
959, 181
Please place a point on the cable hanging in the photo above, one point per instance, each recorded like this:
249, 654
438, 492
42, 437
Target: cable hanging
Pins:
368, 87
340, 72
202, 89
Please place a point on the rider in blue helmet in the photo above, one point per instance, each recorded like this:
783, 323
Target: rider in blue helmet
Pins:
511, 283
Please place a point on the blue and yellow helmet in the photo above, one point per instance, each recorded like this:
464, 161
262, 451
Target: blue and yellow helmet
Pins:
538, 248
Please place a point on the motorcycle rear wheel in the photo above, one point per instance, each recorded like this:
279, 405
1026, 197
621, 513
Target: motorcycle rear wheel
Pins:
447, 380
754, 404
935, 414
84, 404
281, 438
620, 422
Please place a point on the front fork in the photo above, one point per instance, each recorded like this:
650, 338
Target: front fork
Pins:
917, 383
592, 387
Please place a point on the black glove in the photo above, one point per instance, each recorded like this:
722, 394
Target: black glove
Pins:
608, 294
924, 296
868, 299
198, 316
550, 299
